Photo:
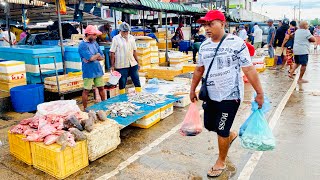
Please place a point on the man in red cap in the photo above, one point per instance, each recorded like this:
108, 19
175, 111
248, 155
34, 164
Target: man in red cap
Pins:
92, 73
228, 55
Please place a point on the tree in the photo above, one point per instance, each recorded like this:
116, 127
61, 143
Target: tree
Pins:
315, 22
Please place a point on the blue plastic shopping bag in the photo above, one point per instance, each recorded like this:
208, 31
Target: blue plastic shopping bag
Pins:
254, 106
257, 135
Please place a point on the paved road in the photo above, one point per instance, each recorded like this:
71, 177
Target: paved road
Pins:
177, 157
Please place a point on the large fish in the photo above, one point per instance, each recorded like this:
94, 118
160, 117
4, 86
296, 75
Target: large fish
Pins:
71, 122
78, 135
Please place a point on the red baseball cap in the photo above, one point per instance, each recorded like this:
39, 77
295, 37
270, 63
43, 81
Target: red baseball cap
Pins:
211, 16
92, 30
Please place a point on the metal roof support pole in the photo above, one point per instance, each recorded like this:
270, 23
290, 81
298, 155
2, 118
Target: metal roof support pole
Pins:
61, 37
144, 24
167, 58
115, 19
7, 11
24, 17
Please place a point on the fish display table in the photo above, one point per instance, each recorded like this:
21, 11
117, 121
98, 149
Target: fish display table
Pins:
146, 109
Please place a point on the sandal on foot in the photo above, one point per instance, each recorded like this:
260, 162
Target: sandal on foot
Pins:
216, 172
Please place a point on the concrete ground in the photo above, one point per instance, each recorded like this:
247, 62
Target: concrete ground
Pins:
176, 157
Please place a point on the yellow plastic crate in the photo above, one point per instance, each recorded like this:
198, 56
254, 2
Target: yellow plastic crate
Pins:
149, 120
166, 73
166, 111
19, 148
143, 51
269, 61
57, 163
162, 60
189, 68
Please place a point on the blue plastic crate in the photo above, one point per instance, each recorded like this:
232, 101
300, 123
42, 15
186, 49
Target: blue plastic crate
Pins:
184, 46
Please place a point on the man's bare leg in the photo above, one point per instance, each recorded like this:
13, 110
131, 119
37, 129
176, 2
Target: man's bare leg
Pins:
224, 144
274, 67
302, 71
102, 93
85, 94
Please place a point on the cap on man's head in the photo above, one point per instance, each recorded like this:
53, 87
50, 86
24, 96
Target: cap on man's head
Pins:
211, 16
124, 27
241, 26
270, 20
91, 30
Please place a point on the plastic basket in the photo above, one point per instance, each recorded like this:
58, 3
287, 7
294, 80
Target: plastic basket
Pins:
57, 163
269, 61
19, 148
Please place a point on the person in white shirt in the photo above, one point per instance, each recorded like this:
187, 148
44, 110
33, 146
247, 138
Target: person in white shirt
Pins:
5, 36
243, 33
257, 34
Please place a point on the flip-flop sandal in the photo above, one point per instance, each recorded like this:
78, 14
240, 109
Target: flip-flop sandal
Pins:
212, 174
233, 140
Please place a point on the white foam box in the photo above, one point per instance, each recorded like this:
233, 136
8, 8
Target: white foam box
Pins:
183, 102
155, 60
154, 48
166, 111
149, 120
104, 138
12, 67
143, 44
12, 77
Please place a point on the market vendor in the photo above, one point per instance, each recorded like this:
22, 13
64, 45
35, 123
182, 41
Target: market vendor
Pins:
92, 72
176, 39
105, 36
124, 58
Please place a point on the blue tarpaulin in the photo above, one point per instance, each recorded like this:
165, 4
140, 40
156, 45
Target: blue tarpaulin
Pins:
147, 109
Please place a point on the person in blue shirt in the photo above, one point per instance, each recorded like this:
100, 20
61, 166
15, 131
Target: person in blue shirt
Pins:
92, 73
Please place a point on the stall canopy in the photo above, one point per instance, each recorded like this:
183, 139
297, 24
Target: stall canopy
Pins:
44, 14
153, 5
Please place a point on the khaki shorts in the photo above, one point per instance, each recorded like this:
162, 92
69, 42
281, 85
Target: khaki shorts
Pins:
279, 51
89, 82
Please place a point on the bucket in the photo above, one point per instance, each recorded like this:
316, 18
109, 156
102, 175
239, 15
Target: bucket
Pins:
114, 77
26, 98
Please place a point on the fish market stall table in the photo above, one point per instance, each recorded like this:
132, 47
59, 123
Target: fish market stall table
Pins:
143, 108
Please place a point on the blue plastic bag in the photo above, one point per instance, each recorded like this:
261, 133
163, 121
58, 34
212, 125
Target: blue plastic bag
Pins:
265, 108
257, 135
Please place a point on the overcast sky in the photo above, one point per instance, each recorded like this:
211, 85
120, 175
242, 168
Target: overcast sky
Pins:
276, 9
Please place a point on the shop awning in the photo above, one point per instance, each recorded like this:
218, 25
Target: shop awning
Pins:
129, 2
193, 9
126, 10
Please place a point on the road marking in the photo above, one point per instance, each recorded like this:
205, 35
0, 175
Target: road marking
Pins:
138, 154
255, 157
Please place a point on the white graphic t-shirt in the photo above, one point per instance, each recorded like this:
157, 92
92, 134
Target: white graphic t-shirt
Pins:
225, 80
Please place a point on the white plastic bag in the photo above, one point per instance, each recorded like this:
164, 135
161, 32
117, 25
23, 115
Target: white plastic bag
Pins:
61, 107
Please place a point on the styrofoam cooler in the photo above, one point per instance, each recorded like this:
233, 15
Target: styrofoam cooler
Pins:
114, 77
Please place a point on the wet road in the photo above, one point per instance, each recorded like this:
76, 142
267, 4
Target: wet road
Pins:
162, 153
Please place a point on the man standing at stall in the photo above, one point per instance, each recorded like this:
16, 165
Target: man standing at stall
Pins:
92, 73
124, 58
228, 55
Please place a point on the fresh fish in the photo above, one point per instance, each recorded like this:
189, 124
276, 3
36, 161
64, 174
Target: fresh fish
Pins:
65, 139
102, 115
93, 115
122, 109
147, 98
71, 122
50, 139
78, 135
88, 124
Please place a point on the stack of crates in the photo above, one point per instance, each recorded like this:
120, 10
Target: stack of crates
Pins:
177, 59
68, 82
12, 74
154, 53
144, 54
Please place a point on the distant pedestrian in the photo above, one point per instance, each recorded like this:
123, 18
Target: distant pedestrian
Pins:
280, 35
270, 38
317, 36
224, 83
243, 33
301, 47
6, 39
257, 34
288, 43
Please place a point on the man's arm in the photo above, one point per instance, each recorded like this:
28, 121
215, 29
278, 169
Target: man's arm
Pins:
272, 38
254, 80
135, 55
113, 60
197, 75
286, 39
312, 39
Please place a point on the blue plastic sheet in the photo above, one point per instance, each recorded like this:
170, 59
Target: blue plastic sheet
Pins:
257, 135
131, 119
